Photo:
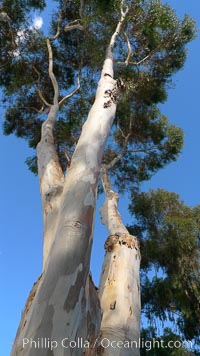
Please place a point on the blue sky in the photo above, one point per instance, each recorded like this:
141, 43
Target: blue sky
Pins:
20, 208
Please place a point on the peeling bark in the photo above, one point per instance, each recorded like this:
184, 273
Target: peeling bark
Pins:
51, 179
28, 305
65, 305
49, 170
119, 289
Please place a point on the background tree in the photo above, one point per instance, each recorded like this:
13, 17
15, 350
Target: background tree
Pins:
169, 238
150, 48
156, 345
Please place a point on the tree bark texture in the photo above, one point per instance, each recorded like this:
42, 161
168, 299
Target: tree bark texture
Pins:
51, 179
63, 304
119, 289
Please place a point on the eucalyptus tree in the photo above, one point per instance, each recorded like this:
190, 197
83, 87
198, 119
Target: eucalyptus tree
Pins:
49, 85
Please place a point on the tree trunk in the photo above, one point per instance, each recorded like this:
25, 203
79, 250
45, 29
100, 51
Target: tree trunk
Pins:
61, 306
51, 180
119, 289
63, 314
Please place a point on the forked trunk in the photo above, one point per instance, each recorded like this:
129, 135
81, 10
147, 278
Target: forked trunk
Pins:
62, 315
63, 306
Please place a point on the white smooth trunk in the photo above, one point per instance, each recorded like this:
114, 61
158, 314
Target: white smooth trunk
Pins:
119, 289
64, 305
51, 180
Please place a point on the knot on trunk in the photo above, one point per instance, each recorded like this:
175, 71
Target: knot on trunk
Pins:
53, 191
127, 240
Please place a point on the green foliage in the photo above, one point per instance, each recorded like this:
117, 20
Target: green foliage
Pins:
18, 10
158, 39
167, 344
169, 233
152, 144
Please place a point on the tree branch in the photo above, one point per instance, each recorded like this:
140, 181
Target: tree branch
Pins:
82, 4
42, 97
118, 30
58, 27
37, 72
122, 64
106, 180
30, 108
109, 210
68, 157
108, 63
74, 25
73, 91
143, 60
120, 155
51, 73
38, 90
129, 49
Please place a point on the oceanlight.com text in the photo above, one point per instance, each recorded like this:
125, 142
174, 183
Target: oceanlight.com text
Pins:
105, 343
146, 344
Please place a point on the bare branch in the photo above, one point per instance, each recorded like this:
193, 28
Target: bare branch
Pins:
68, 157
73, 91
40, 93
129, 49
109, 212
118, 29
5, 18
120, 155
105, 180
143, 60
51, 73
124, 150
74, 25
58, 27
42, 97
122, 132
125, 63
81, 8
139, 150
123, 12
37, 72
30, 108
108, 63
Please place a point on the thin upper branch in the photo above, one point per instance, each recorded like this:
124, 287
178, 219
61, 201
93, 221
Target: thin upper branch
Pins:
120, 155
51, 73
58, 27
107, 187
74, 25
31, 108
81, 10
110, 215
129, 49
117, 30
122, 64
73, 91
143, 60
38, 73
67, 155
42, 97
54, 81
